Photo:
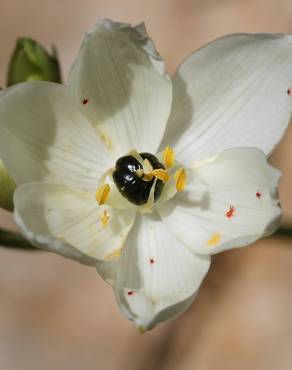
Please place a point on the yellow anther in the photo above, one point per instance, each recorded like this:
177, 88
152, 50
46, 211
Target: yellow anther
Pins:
214, 240
168, 157
148, 177
102, 194
181, 179
104, 219
161, 174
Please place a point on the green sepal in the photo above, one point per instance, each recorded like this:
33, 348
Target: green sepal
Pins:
7, 187
31, 62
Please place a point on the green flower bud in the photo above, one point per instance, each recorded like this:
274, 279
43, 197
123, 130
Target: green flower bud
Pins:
7, 187
31, 62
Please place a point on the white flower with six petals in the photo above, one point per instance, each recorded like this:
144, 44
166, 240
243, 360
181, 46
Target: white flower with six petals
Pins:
148, 223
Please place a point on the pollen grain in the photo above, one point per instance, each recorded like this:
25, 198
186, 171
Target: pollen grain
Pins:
114, 255
104, 219
214, 240
105, 139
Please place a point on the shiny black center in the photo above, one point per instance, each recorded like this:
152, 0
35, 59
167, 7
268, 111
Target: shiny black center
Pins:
130, 182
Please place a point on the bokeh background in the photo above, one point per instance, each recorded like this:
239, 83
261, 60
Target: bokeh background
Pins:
57, 314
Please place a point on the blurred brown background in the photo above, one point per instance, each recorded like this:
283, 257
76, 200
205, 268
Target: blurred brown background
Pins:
57, 314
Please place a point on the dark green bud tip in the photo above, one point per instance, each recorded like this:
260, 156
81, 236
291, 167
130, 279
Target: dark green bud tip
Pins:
31, 62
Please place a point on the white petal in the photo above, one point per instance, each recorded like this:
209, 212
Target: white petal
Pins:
238, 205
45, 137
233, 92
70, 223
122, 78
156, 277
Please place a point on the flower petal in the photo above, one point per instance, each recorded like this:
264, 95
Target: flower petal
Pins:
156, 277
44, 137
70, 223
119, 81
238, 206
236, 91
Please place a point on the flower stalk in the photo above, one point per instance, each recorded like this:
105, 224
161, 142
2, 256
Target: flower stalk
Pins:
11, 239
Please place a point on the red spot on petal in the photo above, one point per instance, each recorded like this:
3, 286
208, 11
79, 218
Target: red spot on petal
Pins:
289, 92
151, 261
85, 101
130, 292
230, 212
258, 194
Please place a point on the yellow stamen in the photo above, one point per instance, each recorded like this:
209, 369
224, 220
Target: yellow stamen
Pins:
161, 174
168, 157
148, 177
214, 240
104, 219
102, 194
112, 256
181, 179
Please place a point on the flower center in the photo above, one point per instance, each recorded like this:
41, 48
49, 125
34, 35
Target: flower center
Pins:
136, 173
142, 179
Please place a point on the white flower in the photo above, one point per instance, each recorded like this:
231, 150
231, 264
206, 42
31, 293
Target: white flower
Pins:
211, 127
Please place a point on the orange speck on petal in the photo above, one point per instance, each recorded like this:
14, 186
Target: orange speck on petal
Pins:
230, 212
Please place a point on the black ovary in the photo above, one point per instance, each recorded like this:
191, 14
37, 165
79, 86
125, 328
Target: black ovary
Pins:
130, 185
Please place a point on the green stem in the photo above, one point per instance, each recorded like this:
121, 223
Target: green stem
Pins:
13, 240
284, 231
